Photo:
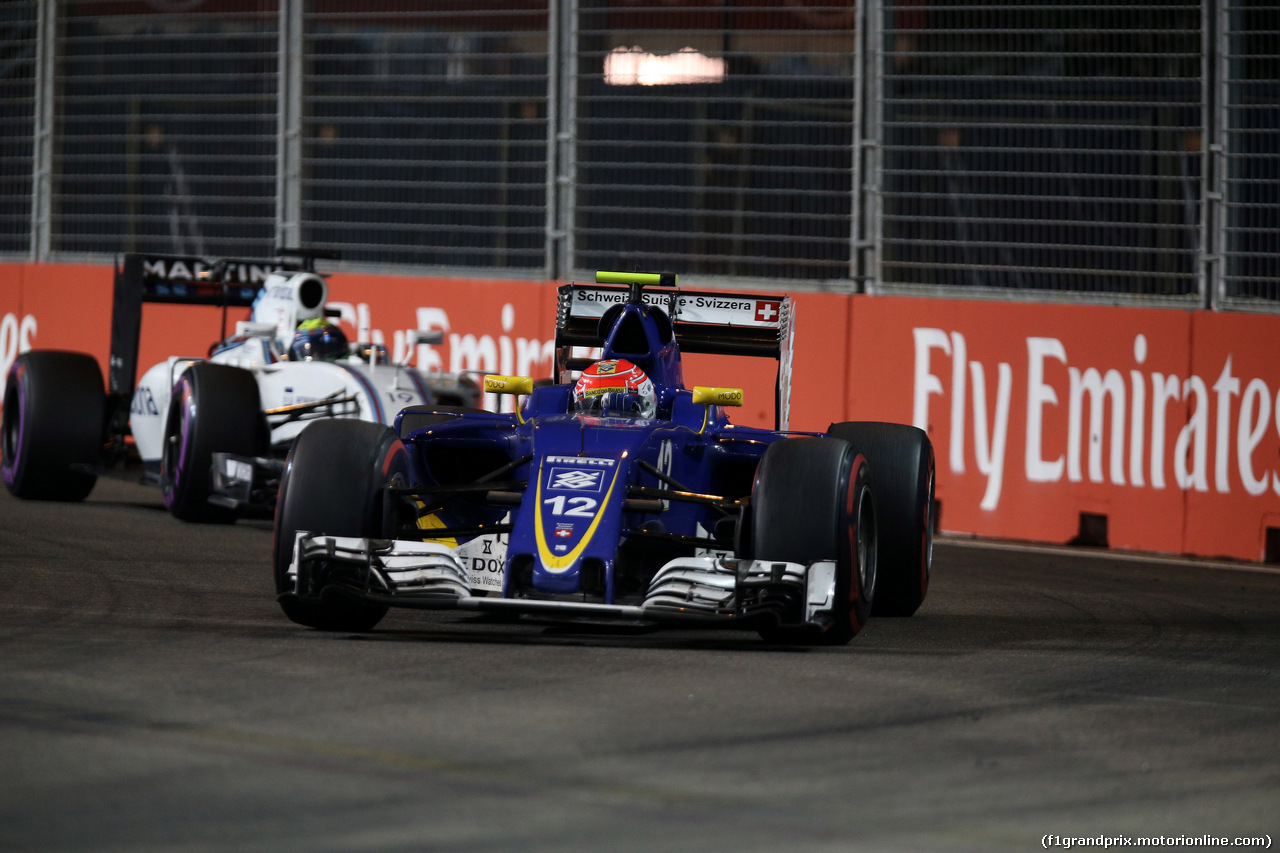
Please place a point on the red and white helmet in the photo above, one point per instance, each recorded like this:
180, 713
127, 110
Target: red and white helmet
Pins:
615, 387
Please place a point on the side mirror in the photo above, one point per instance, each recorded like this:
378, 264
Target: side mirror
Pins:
708, 396
495, 384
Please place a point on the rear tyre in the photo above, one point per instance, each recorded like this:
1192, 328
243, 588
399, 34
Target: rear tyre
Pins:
902, 477
214, 408
812, 501
333, 484
53, 425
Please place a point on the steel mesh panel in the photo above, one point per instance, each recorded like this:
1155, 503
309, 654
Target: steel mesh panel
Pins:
17, 127
1042, 146
748, 174
1053, 150
168, 129
425, 133
1251, 190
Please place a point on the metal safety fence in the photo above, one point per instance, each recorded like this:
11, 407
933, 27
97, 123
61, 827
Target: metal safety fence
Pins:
1115, 151
1033, 147
18, 129
1102, 152
733, 158
1245, 194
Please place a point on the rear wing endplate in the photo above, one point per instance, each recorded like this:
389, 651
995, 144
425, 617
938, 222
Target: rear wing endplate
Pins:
703, 321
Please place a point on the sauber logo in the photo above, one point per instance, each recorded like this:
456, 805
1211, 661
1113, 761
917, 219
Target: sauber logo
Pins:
576, 480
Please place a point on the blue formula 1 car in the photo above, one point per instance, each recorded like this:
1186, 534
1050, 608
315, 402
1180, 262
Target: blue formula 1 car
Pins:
617, 494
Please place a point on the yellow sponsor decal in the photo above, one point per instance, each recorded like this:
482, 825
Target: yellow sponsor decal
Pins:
433, 522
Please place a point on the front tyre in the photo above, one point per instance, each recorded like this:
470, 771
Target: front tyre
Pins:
215, 408
333, 485
902, 476
53, 426
812, 501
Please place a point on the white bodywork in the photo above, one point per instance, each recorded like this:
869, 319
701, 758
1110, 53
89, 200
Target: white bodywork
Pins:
372, 392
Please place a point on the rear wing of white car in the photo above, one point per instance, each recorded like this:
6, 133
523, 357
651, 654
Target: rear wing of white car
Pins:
184, 280
703, 321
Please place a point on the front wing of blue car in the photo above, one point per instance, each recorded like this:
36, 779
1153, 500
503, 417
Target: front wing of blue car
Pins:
714, 590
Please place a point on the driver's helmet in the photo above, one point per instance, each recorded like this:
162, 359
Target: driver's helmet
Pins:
615, 387
318, 340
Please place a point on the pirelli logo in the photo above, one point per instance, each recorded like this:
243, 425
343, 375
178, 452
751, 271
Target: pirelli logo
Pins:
581, 460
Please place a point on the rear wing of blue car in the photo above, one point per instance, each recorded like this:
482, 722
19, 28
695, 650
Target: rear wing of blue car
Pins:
183, 280
703, 321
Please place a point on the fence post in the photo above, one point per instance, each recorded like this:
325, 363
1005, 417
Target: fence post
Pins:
864, 255
1213, 81
42, 150
289, 126
855, 183
562, 92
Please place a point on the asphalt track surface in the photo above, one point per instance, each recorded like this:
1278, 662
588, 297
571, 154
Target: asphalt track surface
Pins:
153, 697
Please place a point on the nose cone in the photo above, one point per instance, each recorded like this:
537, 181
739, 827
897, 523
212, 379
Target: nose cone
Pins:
572, 511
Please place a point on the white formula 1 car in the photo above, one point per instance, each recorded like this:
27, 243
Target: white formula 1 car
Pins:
212, 430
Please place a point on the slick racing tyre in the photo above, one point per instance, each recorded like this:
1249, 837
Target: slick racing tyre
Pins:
214, 408
53, 425
812, 501
902, 475
332, 484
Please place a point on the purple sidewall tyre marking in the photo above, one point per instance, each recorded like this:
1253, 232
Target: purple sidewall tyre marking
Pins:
10, 467
184, 438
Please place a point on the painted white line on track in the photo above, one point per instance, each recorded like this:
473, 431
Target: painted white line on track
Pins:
1106, 553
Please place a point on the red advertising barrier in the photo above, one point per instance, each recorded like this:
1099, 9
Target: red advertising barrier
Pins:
1050, 421
1231, 441
1146, 429
68, 306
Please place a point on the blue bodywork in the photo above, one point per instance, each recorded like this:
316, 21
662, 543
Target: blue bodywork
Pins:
589, 507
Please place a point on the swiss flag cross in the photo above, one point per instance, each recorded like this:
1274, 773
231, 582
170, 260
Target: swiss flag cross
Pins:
767, 312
